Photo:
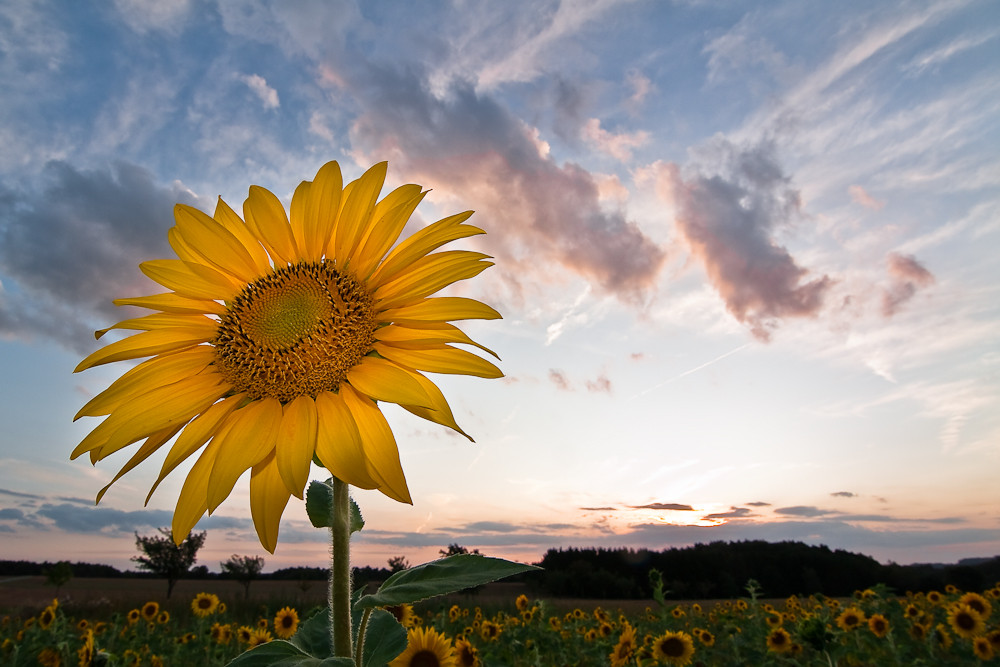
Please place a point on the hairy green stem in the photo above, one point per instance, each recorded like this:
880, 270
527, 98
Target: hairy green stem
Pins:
340, 571
362, 626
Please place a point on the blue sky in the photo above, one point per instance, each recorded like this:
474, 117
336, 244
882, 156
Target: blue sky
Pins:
745, 254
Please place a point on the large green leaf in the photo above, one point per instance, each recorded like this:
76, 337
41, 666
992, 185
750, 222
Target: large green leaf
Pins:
280, 653
313, 635
439, 577
385, 639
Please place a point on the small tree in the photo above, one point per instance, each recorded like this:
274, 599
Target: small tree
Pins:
398, 564
58, 575
243, 569
455, 549
166, 559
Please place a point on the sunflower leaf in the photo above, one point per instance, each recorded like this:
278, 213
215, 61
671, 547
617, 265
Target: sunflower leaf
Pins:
357, 521
313, 635
280, 653
385, 639
439, 577
319, 503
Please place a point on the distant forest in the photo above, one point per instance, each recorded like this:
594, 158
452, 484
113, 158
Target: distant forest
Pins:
704, 571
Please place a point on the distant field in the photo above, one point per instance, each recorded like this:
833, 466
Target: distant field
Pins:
31, 594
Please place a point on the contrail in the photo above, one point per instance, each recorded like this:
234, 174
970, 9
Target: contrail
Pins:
690, 371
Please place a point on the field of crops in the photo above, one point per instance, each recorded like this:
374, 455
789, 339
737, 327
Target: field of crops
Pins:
949, 627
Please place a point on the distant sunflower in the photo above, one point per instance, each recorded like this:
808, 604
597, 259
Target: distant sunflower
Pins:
979, 604
276, 338
779, 641
466, 654
85, 653
204, 604
674, 648
163, 617
624, 650
286, 622
150, 610
879, 625
259, 636
982, 648
426, 647
941, 637
965, 621
133, 616
46, 618
244, 633
850, 619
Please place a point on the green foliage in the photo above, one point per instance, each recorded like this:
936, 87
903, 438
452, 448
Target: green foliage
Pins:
165, 558
243, 569
319, 504
58, 575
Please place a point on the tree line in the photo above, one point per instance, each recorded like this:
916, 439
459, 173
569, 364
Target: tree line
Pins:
722, 570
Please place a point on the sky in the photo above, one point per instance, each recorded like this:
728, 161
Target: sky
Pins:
745, 255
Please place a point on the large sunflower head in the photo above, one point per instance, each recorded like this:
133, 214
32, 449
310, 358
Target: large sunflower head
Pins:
276, 337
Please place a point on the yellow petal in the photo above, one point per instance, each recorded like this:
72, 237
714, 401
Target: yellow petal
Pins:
439, 309
145, 344
320, 205
441, 412
191, 279
268, 498
297, 443
338, 442
165, 321
383, 380
214, 244
251, 436
234, 224
357, 211
156, 372
197, 433
379, 444
266, 217
440, 359
419, 335
193, 500
153, 443
430, 274
422, 242
388, 220
155, 410
169, 302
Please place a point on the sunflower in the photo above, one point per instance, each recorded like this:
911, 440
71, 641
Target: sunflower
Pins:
46, 618
277, 336
426, 647
204, 604
404, 614
982, 648
49, 657
779, 641
879, 625
133, 616
522, 602
286, 622
674, 648
163, 617
490, 631
624, 650
86, 652
244, 633
965, 621
979, 604
259, 636
150, 610
706, 638
851, 618
941, 636
466, 654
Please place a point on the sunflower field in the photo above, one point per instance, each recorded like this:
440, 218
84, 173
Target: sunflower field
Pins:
951, 627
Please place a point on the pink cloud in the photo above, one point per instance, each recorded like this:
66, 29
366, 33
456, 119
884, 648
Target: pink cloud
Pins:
600, 384
559, 379
860, 196
907, 276
618, 146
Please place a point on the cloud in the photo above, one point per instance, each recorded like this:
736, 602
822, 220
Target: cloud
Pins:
600, 384
559, 379
860, 196
469, 147
844, 494
734, 513
674, 507
907, 275
729, 220
758, 503
267, 94
18, 494
599, 509
803, 510
619, 146
73, 245
145, 15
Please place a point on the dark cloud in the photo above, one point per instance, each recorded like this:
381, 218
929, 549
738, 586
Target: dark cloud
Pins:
492, 527
599, 509
468, 145
907, 276
843, 494
730, 219
73, 244
10, 513
76, 519
758, 503
559, 379
674, 507
803, 510
734, 513
18, 494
